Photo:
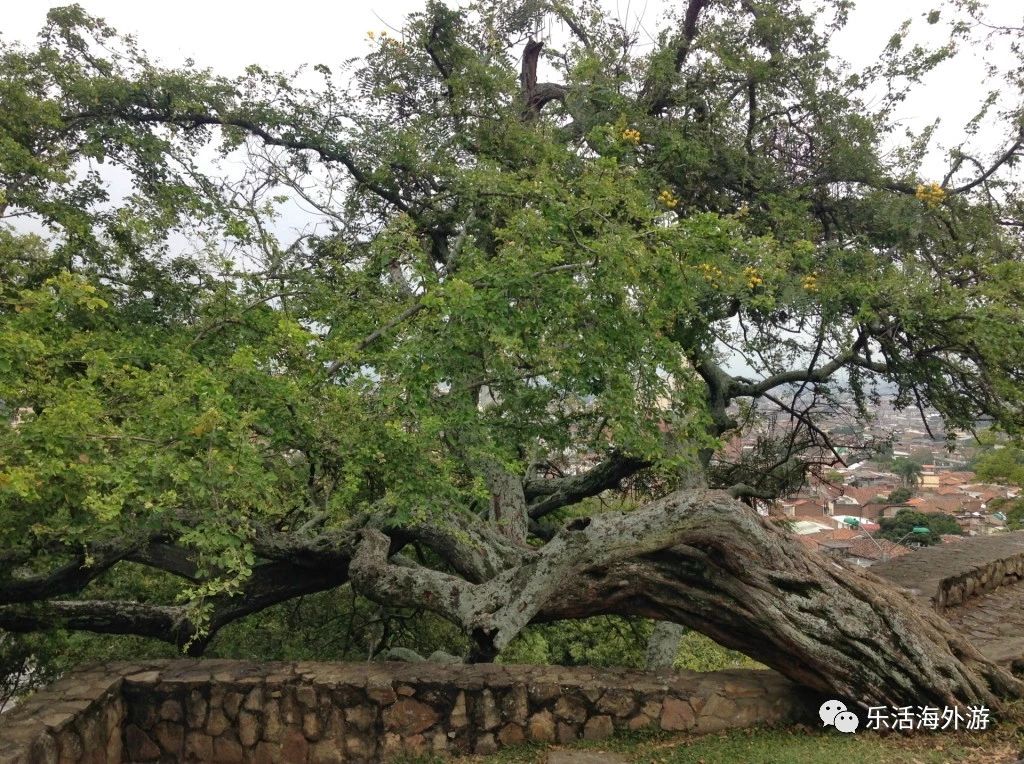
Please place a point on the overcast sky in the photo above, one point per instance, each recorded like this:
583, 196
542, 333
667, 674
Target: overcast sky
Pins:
229, 34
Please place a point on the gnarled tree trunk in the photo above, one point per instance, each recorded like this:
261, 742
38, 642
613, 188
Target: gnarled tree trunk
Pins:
707, 561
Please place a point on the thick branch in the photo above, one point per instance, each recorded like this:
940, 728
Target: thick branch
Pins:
473, 549
552, 494
656, 92
732, 575
536, 95
169, 558
813, 374
508, 502
163, 622
70, 577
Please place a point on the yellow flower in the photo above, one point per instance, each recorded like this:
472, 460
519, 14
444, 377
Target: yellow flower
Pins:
631, 136
711, 273
371, 35
666, 198
931, 194
810, 282
754, 279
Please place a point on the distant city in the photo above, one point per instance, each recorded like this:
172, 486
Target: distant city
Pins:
839, 510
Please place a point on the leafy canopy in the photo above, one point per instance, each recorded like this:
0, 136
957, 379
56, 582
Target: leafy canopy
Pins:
496, 275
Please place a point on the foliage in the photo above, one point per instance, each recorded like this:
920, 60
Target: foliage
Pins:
938, 524
699, 653
900, 495
1002, 464
500, 283
599, 641
908, 470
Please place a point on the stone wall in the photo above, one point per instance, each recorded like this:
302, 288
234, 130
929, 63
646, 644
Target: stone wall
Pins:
945, 575
229, 711
77, 719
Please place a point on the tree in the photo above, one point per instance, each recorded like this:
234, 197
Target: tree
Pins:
1002, 461
513, 296
900, 495
908, 470
901, 527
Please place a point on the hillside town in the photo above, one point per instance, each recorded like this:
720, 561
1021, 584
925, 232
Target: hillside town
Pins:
839, 511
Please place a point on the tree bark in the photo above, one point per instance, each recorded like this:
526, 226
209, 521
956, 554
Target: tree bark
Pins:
845, 632
663, 645
709, 562
697, 558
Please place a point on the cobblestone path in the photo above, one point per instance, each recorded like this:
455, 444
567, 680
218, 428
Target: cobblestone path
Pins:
994, 622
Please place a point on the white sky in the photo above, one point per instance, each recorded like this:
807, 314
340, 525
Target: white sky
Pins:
226, 35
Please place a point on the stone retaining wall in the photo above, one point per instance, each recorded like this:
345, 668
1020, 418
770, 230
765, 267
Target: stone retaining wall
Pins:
945, 575
239, 712
77, 719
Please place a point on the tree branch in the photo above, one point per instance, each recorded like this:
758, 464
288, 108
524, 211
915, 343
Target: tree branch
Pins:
70, 577
194, 119
657, 92
561, 492
163, 622
536, 95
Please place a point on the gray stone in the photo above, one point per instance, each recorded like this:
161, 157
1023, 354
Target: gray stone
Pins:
294, 746
232, 704
515, 705
458, 717
254, 700
195, 710
170, 710
512, 734
401, 654
541, 727
440, 656
265, 753
676, 714
360, 717
485, 745
272, 727
306, 697
566, 733
359, 748
311, 727
409, 717
381, 692
227, 750
488, 711
248, 726
139, 746
619, 703
170, 736
598, 728
326, 752
69, 746
198, 747
217, 722
44, 750
569, 709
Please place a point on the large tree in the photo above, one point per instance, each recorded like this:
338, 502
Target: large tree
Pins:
512, 295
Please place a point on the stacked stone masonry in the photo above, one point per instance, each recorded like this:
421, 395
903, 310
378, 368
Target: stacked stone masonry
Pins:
946, 575
241, 713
